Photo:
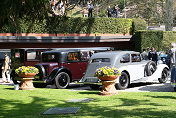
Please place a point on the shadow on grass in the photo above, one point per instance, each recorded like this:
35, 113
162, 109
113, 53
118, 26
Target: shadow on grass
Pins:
90, 92
162, 97
129, 108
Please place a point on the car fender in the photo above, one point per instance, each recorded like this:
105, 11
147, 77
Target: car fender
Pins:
50, 79
157, 74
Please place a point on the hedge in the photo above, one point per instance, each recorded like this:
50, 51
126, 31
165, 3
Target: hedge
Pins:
75, 25
160, 40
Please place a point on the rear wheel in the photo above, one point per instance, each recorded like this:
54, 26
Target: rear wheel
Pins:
123, 81
164, 76
62, 80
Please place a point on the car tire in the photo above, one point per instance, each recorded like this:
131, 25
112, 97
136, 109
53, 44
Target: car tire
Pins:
62, 80
150, 68
123, 81
94, 87
164, 76
39, 85
175, 89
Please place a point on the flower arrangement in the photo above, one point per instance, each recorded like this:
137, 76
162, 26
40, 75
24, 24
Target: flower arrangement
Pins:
26, 69
106, 71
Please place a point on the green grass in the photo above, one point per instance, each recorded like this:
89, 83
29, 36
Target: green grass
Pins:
31, 103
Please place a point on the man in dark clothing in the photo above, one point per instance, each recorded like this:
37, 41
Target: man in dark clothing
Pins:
109, 10
90, 9
153, 55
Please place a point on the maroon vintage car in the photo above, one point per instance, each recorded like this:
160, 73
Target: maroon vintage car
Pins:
60, 67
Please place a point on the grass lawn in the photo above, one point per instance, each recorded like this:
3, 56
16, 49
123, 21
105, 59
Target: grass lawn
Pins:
31, 103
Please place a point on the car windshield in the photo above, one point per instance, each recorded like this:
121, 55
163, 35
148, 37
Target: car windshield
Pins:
50, 57
100, 60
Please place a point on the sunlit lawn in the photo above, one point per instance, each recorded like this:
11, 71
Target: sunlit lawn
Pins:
31, 103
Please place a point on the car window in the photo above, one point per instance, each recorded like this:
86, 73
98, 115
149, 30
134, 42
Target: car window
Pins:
100, 60
49, 57
32, 55
125, 58
135, 58
73, 56
85, 55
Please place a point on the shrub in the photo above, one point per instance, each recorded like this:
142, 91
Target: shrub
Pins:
139, 24
158, 39
73, 25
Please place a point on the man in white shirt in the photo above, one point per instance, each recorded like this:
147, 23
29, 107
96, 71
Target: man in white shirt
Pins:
6, 69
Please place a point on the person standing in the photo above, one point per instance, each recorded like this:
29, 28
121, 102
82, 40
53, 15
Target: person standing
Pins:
172, 53
116, 10
153, 55
109, 11
90, 6
144, 55
6, 69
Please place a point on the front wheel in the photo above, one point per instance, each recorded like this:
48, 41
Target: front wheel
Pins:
62, 80
164, 76
123, 81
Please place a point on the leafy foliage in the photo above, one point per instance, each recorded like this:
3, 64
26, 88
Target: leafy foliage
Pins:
158, 39
139, 24
71, 25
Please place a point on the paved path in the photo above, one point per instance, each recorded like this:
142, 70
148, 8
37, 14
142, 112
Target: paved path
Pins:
140, 87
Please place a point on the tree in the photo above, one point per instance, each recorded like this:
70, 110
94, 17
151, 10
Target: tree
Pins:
12, 10
169, 15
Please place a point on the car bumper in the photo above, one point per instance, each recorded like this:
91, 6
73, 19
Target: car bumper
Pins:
90, 83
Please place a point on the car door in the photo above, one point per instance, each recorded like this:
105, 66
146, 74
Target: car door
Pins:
84, 56
73, 64
137, 67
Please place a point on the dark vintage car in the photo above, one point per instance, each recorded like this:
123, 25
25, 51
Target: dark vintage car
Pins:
61, 67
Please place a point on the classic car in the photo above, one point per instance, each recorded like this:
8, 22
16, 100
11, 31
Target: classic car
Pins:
133, 69
61, 67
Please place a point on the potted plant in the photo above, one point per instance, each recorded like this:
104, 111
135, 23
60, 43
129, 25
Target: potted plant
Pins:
107, 73
108, 76
27, 71
26, 74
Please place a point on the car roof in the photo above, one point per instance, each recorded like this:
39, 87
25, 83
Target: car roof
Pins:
61, 51
111, 54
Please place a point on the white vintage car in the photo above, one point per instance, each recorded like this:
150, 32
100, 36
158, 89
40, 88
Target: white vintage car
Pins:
133, 69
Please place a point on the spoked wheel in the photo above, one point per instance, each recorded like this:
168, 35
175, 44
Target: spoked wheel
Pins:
62, 80
123, 81
150, 68
164, 76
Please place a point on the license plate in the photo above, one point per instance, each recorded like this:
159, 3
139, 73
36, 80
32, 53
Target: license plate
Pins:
91, 80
